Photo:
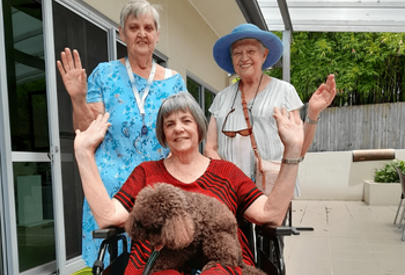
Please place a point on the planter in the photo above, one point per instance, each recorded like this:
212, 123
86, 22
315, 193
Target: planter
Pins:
381, 193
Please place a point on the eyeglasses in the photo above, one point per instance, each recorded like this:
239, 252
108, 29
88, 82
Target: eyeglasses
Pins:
244, 132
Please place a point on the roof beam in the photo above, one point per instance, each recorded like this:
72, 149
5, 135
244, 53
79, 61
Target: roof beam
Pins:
282, 4
336, 16
252, 13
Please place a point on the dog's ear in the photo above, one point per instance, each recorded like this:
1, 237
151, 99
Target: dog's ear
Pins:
133, 225
134, 228
178, 231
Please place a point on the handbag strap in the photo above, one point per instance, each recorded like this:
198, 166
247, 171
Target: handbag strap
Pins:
252, 137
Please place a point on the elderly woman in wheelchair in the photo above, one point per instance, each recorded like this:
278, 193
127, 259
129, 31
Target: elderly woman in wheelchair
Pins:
181, 126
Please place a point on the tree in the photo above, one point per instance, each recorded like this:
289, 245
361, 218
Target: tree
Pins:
369, 67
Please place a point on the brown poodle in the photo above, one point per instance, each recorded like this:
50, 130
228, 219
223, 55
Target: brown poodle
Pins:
190, 226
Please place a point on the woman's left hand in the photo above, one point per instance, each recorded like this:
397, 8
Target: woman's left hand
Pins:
89, 139
323, 96
290, 129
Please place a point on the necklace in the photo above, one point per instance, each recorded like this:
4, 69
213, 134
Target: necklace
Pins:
254, 99
257, 90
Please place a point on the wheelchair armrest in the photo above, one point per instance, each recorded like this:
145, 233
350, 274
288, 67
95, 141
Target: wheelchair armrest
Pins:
107, 232
111, 236
277, 231
270, 247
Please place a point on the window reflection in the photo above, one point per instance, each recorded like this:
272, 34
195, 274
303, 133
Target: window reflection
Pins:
203, 96
26, 76
208, 99
34, 209
200, 92
194, 89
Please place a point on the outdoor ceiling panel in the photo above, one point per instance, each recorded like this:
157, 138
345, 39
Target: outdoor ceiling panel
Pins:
342, 16
272, 16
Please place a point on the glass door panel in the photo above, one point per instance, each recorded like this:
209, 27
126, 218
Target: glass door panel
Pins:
27, 94
208, 99
194, 88
121, 49
35, 226
26, 77
74, 32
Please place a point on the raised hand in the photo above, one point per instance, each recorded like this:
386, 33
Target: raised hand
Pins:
290, 129
323, 96
73, 75
89, 139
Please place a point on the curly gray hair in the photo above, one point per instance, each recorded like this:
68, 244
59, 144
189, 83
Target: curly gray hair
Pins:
139, 7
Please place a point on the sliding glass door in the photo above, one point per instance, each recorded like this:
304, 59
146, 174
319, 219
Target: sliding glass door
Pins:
41, 196
29, 133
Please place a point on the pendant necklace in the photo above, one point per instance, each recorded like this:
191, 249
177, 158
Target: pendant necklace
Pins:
140, 101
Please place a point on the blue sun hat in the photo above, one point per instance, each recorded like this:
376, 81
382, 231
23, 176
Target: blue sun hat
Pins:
222, 52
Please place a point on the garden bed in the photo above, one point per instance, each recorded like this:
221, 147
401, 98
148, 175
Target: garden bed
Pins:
381, 193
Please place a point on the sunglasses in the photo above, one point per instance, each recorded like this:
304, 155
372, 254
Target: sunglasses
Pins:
244, 132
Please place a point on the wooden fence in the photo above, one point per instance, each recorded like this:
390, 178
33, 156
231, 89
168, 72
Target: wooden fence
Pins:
379, 126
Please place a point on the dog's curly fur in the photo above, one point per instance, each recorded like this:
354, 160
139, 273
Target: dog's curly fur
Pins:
186, 223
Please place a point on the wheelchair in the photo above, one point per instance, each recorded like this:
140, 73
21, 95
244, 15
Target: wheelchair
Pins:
268, 249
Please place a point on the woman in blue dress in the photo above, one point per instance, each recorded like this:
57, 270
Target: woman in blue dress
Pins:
131, 90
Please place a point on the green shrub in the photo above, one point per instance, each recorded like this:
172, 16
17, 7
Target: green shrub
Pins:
389, 173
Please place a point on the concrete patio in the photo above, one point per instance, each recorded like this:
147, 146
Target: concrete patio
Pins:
350, 238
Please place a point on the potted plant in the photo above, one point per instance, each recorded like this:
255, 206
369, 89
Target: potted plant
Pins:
385, 189
388, 174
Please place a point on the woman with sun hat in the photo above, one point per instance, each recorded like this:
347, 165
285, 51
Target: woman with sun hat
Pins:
247, 51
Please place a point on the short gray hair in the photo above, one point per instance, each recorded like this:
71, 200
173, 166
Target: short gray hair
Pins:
182, 101
139, 7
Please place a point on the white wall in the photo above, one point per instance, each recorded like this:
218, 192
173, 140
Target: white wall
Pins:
334, 176
187, 36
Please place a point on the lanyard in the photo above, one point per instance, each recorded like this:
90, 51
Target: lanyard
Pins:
140, 101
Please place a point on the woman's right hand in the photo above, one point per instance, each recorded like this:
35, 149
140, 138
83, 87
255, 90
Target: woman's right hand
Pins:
290, 129
88, 140
73, 75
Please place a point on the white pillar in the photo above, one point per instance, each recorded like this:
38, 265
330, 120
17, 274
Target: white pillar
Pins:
287, 35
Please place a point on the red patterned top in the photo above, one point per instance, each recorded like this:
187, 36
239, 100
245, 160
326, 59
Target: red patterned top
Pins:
222, 180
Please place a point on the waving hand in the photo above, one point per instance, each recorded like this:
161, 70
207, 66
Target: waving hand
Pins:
73, 75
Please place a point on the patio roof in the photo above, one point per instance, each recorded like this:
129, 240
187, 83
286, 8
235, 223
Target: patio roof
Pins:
322, 16
326, 15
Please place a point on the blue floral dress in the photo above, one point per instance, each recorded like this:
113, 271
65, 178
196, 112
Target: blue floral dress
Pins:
123, 148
